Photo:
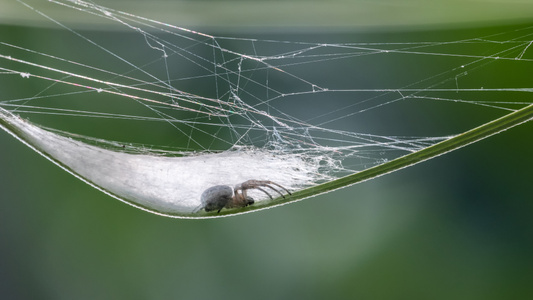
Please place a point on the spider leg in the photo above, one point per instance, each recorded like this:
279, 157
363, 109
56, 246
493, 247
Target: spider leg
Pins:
257, 184
240, 197
271, 182
236, 190
198, 208
274, 189
268, 183
263, 190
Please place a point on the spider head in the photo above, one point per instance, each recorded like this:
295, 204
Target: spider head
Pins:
249, 201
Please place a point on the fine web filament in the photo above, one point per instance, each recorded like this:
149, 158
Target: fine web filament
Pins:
231, 109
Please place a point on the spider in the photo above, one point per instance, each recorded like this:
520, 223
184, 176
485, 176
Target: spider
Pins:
220, 196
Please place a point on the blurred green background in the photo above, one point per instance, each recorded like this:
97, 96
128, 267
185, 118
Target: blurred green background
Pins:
457, 227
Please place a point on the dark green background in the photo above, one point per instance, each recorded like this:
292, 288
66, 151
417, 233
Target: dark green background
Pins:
457, 227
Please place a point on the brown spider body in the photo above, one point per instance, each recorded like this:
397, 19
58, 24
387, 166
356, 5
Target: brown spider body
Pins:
223, 196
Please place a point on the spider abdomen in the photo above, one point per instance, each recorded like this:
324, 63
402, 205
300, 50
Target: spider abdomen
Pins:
216, 197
